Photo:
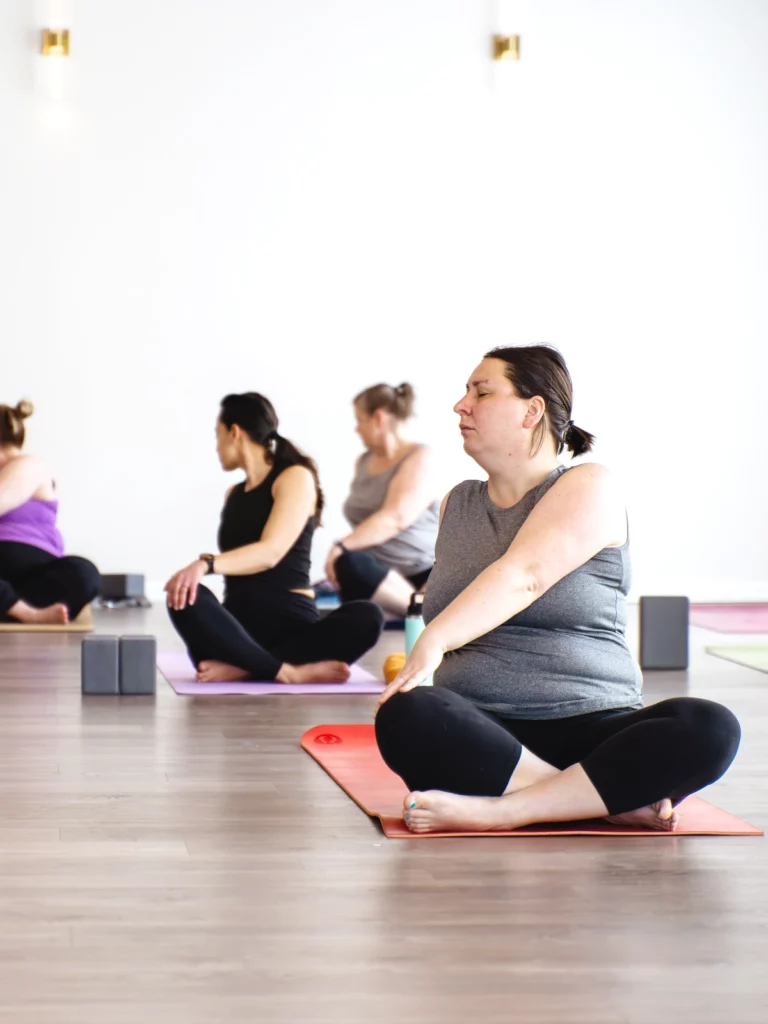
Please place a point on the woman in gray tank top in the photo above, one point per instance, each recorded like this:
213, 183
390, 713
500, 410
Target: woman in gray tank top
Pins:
536, 713
391, 507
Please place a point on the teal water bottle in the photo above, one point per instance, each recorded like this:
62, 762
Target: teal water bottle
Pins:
414, 625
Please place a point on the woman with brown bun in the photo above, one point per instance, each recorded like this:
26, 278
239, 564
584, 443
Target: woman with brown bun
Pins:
392, 507
38, 583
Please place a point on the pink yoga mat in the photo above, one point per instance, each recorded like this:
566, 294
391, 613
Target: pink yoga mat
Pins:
179, 672
731, 618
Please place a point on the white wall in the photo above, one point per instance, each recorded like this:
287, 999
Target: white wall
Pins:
307, 198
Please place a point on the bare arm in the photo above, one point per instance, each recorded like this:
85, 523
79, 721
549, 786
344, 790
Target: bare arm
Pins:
579, 516
19, 480
295, 498
409, 493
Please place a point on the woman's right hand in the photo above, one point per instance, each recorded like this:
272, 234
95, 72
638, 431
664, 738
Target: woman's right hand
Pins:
182, 586
424, 659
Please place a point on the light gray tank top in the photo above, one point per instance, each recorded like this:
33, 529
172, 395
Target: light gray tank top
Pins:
411, 551
564, 655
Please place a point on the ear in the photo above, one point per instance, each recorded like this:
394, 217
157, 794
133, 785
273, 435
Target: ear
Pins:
235, 433
535, 412
379, 418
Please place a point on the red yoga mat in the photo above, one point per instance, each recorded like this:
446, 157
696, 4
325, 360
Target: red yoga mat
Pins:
350, 756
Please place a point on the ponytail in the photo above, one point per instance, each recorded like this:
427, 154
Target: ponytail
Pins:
284, 454
576, 440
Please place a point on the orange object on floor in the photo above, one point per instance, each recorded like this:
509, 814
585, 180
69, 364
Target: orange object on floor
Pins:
392, 666
350, 756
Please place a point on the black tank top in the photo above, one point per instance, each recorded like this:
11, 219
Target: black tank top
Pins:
243, 519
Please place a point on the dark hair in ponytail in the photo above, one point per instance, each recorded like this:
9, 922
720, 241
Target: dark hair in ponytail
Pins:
397, 401
256, 415
541, 370
12, 422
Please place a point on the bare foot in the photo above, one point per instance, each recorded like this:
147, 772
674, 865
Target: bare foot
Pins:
436, 811
661, 816
314, 672
219, 672
53, 615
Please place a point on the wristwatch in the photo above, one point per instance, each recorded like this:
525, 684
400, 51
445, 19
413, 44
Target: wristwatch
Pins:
209, 560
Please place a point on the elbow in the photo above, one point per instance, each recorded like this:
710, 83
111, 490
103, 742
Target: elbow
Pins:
270, 559
398, 522
531, 585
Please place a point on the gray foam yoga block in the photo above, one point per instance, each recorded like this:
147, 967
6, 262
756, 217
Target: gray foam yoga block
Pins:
138, 660
99, 665
664, 632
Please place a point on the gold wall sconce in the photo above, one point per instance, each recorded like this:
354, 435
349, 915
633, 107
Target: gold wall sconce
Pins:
55, 41
506, 47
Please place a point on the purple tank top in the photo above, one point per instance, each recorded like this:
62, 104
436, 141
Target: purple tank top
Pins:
33, 523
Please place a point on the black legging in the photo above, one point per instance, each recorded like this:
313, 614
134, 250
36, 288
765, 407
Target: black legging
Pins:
40, 579
261, 635
435, 739
360, 574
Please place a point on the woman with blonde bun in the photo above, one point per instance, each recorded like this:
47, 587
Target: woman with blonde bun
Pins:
38, 583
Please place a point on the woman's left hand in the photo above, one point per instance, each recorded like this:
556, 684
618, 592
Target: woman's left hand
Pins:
182, 586
425, 657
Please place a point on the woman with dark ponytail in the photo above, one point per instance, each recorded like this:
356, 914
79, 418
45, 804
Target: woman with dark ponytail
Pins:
536, 714
39, 585
268, 626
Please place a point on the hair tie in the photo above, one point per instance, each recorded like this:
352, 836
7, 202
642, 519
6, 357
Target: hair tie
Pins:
271, 436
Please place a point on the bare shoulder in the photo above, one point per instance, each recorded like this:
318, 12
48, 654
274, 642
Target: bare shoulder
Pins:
415, 460
589, 492
588, 478
294, 478
29, 466
419, 453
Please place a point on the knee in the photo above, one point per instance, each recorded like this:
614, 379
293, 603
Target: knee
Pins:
88, 575
193, 611
403, 717
358, 574
368, 618
712, 728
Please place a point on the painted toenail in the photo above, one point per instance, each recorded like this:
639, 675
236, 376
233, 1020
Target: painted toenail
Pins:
413, 803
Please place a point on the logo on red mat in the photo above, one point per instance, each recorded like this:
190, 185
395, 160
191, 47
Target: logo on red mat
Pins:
327, 737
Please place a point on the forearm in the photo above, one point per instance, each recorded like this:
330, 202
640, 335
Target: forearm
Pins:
246, 561
376, 529
499, 592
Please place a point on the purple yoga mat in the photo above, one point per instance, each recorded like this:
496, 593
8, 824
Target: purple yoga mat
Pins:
180, 674
731, 618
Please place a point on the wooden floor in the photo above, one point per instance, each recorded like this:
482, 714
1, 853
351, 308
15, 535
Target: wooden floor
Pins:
179, 859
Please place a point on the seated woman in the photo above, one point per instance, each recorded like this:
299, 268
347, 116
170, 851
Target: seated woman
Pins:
38, 585
268, 626
536, 712
392, 507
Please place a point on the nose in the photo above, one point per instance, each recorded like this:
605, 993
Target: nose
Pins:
462, 407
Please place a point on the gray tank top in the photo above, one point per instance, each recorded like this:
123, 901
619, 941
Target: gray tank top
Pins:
564, 655
413, 550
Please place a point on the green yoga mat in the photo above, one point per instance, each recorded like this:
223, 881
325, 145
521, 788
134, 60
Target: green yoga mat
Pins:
752, 657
